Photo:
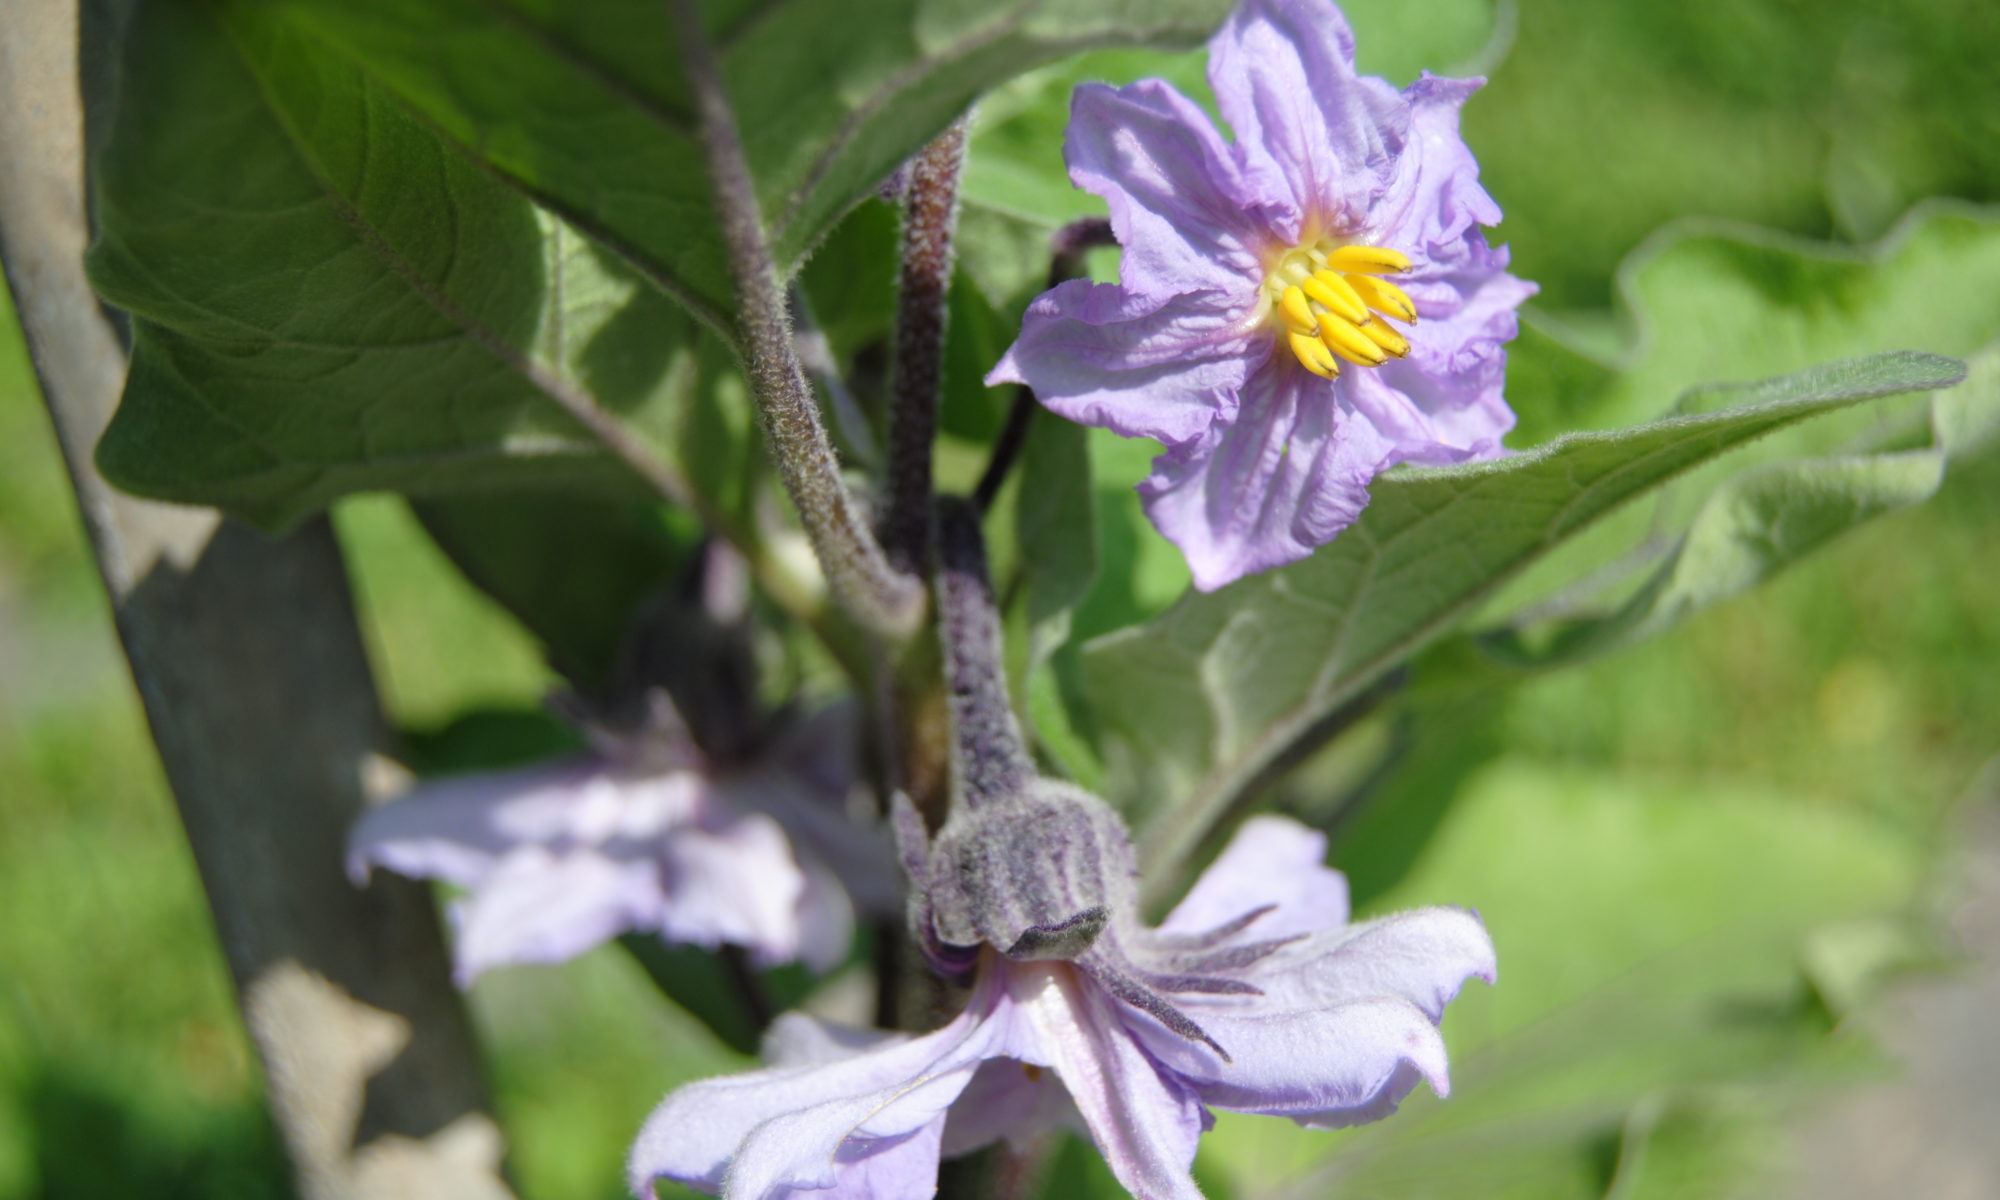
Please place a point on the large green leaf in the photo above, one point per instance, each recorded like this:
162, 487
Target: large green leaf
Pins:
1199, 704
327, 298
1712, 300
583, 105
1655, 941
1763, 519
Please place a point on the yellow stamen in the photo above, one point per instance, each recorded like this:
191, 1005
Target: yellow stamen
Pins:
1326, 297
1369, 260
1314, 356
1338, 295
1351, 344
1384, 297
1387, 338
1298, 314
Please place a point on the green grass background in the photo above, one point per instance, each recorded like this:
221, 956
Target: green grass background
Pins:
1785, 762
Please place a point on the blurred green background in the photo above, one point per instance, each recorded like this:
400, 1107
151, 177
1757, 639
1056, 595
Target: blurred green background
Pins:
1693, 854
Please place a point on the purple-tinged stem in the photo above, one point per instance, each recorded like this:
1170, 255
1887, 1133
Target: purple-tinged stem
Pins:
989, 756
859, 574
930, 213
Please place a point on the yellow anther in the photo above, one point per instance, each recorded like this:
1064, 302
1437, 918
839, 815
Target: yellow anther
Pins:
1334, 292
1384, 297
1369, 260
1387, 338
1351, 344
1298, 314
1313, 355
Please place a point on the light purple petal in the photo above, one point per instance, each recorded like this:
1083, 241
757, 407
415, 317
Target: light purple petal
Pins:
455, 828
757, 1135
1284, 80
1452, 387
817, 821
541, 906
1178, 209
798, 1040
1284, 477
1143, 366
825, 917
1305, 1061
1271, 861
1145, 1121
733, 880
1434, 204
1421, 957
1009, 1099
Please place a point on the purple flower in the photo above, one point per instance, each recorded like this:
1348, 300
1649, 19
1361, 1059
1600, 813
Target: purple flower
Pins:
1255, 331
1254, 995
644, 834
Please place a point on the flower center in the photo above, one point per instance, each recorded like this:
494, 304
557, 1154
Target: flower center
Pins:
1330, 300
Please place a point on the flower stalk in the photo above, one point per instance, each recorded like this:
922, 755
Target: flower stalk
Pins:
930, 215
860, 575
989, 756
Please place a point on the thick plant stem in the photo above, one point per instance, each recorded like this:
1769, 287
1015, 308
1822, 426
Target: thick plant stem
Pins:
930, 213
881, 598
989, 756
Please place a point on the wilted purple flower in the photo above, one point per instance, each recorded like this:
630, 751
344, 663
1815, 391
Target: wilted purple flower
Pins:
644, 834
1253, 270
1254, 995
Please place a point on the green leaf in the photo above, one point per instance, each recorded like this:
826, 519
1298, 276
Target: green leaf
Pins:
1056, 531
1651, 938
1198, 704
327, 298
583, 106
1713, 300
1761, 520
575, 572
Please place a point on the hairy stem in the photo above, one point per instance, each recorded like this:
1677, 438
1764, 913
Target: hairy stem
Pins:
861, 578
989, 756
930, 212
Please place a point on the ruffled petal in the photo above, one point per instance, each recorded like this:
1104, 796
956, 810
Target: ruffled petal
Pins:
733, 879
826, 919
1012, 1100
761, 1135
456, 828
1284, 477
822, 831
1421, 957
1306, 1061
1272, 861
1178, 208
1306, 124
541, 906
1145, 1121
1142, 366
1434, 199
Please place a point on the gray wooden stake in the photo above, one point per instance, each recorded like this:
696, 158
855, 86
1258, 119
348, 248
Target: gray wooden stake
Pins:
249, 662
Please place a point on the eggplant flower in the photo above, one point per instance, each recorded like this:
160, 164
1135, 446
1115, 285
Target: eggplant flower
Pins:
645, 834
1298, 310
1255, 995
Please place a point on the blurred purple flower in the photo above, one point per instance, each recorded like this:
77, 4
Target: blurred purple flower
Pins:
1253, 271
1278, 1006
643, 834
